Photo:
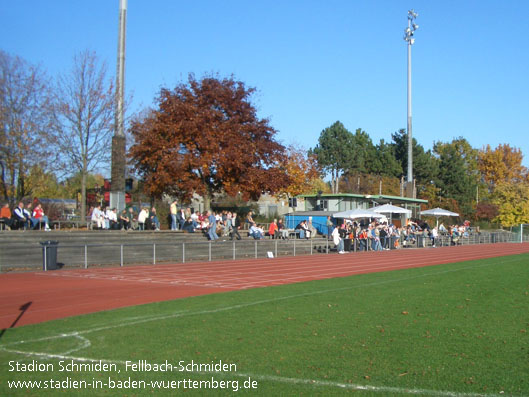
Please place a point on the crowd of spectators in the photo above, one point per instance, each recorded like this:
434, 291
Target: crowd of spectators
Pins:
24, 217
108, 219
376, 236
347, 236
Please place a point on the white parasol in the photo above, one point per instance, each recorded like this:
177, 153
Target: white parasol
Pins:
438, 212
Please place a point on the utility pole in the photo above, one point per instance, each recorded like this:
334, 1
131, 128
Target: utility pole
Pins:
408, 37
117, 190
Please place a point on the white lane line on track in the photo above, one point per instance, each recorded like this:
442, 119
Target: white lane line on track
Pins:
139, 320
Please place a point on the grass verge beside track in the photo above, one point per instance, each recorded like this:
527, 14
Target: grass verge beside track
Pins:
449, 330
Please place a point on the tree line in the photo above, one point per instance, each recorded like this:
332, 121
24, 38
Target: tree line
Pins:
53, 129
480, 184
204, 137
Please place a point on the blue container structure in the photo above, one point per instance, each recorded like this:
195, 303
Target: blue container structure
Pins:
319, 220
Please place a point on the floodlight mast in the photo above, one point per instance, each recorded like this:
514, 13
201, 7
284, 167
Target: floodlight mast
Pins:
117, 187
408, 37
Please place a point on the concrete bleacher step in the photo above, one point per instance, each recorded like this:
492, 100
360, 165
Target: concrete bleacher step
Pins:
100, 236
22, 251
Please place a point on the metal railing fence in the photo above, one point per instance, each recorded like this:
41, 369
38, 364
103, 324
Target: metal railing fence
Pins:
20, 257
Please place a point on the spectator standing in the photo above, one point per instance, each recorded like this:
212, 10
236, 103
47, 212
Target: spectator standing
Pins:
227, 223
310, 227
249, 219
155, 223
283, 231
338, 240
329, 225
212, 226
235, 226
181, 217
142, 218
434, 234
173, 211
272, 230
383, 236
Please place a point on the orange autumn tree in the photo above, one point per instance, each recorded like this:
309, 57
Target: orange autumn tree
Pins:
508, 183
502, 165
205, 137
302, 170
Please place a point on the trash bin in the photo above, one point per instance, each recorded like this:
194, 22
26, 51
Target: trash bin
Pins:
49, 254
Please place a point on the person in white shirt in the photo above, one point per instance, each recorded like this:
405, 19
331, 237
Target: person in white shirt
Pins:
434, 236
21, 217
142, 217
107, 215
338, 241
97, 217
255, 232
113, 219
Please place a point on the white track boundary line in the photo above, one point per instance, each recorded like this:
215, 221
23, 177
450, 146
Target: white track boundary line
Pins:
221, 282
377, 389
141, 320
282, 379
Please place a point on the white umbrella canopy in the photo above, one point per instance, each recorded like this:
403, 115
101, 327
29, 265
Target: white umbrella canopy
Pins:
438, 212
357, 213
391, 209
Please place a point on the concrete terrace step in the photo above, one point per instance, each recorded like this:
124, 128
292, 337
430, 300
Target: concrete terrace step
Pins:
22, 251
99, 236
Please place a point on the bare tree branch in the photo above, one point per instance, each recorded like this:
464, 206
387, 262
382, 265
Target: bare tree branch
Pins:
24, 122
84, 103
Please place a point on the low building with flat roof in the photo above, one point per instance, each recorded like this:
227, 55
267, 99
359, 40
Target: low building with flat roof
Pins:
319, 206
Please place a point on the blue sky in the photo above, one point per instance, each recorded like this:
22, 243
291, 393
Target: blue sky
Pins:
312, 62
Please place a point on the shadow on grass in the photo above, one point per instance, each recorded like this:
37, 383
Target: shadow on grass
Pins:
22, 309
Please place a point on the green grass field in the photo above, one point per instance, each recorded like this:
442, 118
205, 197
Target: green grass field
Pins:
450, 330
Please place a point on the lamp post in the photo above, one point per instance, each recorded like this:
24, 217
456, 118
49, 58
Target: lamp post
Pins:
408, 37
117, 189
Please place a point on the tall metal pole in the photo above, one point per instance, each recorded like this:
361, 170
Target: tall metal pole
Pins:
408, 36
121, 67
117, 191
410, 139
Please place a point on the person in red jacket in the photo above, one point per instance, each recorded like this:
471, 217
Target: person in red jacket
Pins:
39, 217
273, 229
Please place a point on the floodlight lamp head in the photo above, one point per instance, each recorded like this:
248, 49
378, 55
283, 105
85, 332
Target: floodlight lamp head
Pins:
415, 26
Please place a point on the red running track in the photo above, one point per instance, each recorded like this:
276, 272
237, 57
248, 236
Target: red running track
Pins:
58, 294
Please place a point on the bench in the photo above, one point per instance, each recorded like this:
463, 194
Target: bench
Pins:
71, 223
